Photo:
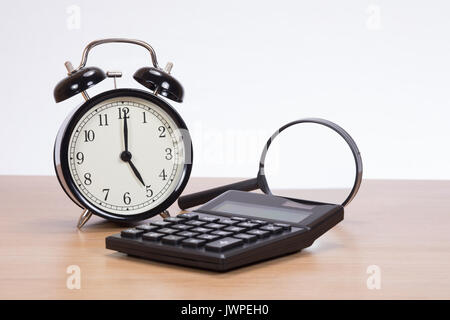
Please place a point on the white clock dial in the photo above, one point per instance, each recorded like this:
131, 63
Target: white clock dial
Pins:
120, 181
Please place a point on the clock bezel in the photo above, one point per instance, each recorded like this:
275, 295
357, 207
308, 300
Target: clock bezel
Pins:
61, 154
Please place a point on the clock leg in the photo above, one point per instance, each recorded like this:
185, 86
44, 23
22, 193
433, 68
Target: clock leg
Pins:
85, 216
165, 214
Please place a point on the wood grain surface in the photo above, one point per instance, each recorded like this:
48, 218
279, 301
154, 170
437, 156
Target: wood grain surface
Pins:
403, 227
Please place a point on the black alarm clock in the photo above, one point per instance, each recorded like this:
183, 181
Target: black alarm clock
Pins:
124, 154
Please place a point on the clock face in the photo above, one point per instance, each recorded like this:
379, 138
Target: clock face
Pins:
126, 155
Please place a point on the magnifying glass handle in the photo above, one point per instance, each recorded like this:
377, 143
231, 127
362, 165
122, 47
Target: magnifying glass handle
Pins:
195, 199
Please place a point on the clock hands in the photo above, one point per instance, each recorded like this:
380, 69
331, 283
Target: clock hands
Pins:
136, 172
126, 155
125, 131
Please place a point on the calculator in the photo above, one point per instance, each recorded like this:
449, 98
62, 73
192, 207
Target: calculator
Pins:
233, 230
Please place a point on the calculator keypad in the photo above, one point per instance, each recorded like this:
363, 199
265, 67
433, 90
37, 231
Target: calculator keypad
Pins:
206, 232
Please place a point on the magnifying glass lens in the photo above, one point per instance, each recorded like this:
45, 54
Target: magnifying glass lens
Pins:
310, 161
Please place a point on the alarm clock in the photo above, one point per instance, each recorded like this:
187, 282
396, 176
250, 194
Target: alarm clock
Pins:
124, 154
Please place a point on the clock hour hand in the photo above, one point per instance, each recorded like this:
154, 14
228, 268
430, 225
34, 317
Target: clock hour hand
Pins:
136, 172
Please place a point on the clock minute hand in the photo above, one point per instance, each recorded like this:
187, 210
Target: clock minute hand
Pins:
125, 131
136, 172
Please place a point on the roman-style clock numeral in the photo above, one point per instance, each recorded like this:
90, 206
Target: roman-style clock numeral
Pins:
144, 117
162, 131
123, 112
126, 198
87, 179
163, 174
89, 135
149, 191
106, 191
103, 120
169, 155
80, 157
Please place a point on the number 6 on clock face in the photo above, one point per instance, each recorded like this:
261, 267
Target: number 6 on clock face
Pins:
125, 154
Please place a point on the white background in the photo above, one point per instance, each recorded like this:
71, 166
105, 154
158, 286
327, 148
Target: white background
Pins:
380, 69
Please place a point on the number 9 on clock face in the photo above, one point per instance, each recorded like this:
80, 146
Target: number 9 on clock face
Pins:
124, 155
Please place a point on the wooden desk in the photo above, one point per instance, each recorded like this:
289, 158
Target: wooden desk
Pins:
401, 226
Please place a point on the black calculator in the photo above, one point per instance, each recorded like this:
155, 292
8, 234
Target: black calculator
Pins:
233, 230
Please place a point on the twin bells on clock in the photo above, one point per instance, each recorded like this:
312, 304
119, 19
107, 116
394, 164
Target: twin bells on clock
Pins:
158, 80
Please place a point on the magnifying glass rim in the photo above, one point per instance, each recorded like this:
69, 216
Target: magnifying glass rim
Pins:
261, 177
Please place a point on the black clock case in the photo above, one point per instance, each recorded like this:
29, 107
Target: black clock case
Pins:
60, 154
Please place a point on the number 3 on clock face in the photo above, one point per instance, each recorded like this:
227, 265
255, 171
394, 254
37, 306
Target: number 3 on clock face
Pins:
128, 155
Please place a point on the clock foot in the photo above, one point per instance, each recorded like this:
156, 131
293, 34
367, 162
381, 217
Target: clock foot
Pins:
165, 214
85, 216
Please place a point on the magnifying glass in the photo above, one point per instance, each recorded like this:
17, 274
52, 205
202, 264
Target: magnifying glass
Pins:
310, 159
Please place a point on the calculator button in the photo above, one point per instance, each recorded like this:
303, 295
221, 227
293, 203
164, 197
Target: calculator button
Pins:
208, 219
195, 223
259, 233
260, 222
214, 225
222, 233
228, 222
234, 229
193, 243
181, 227
247, 225
285, 226
208, 237
146, 227
187, 234
238, 219
132, 233
152, 236
201, 230
161, 223
171, 239
273, 229
223, 244
246, 237
167, 230
173, 219
188, 216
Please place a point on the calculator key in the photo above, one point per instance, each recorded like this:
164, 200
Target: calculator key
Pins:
228, 222
285, 226
131, 233
234, 229
208, 237
193, 243
152, 236
171, 239
259, 233
201, 230
238, 219
272, 229
260, 222
161, 223
188, 216
208, 219
167, 230
247, 225
222, 233
187, 234
147, 227
181, 227
246, 237
173, 219
214, 225
223, 244
195, 223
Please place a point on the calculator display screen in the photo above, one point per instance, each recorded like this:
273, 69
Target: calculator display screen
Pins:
262, 211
